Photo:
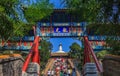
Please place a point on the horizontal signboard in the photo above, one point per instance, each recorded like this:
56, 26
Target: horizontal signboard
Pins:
61, 29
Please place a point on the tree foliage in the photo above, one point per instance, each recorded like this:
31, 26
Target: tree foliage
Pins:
103, 17
86, 10
45, 51
102, 53
76, 52
104, 29
10, 24
36, 11
5, 23
7, 7
109, 11
114, 44
11, 11
100, 11
108, 24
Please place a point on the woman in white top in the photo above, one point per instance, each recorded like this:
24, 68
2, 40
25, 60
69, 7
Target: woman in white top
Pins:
48, 73
69, 72
52, 73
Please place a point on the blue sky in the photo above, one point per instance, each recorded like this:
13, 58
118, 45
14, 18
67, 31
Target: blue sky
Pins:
57, 3
66, 42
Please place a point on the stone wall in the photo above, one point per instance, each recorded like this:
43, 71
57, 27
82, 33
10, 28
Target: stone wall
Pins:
111, 65
11, 66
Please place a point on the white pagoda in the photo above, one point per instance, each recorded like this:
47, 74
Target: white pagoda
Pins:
60, 49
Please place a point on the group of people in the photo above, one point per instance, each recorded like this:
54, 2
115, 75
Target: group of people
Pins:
61, 68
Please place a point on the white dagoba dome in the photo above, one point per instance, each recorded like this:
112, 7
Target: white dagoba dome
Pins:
60, 49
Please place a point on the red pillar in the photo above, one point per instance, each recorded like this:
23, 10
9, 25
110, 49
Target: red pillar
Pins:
86, 53
25, 65
33, 52
93, 55
36, 56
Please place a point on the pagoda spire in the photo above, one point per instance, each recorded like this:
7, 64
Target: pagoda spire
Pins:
60, 49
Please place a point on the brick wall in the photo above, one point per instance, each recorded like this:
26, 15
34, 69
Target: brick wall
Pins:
111, 65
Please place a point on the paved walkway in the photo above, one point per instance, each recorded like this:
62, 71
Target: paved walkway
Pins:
72, 65
48, 66
60, 67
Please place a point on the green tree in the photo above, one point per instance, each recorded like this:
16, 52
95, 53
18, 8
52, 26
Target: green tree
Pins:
36, 11
109, 24
7, 17
101, 54
102, 17
86, 10
100, 11
76, 52
114, 45
109, 11
11, 23
45, 51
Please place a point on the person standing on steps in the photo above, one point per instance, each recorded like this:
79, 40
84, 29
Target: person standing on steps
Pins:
48, 73
73, 72
52, 73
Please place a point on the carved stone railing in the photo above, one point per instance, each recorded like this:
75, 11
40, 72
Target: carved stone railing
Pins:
11, 65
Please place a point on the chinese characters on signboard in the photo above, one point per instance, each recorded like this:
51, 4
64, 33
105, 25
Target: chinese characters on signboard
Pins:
61, 31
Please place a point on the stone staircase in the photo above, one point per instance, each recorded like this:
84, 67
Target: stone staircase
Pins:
48, 66
72, 65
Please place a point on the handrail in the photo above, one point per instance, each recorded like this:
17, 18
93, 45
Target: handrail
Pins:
93, 54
